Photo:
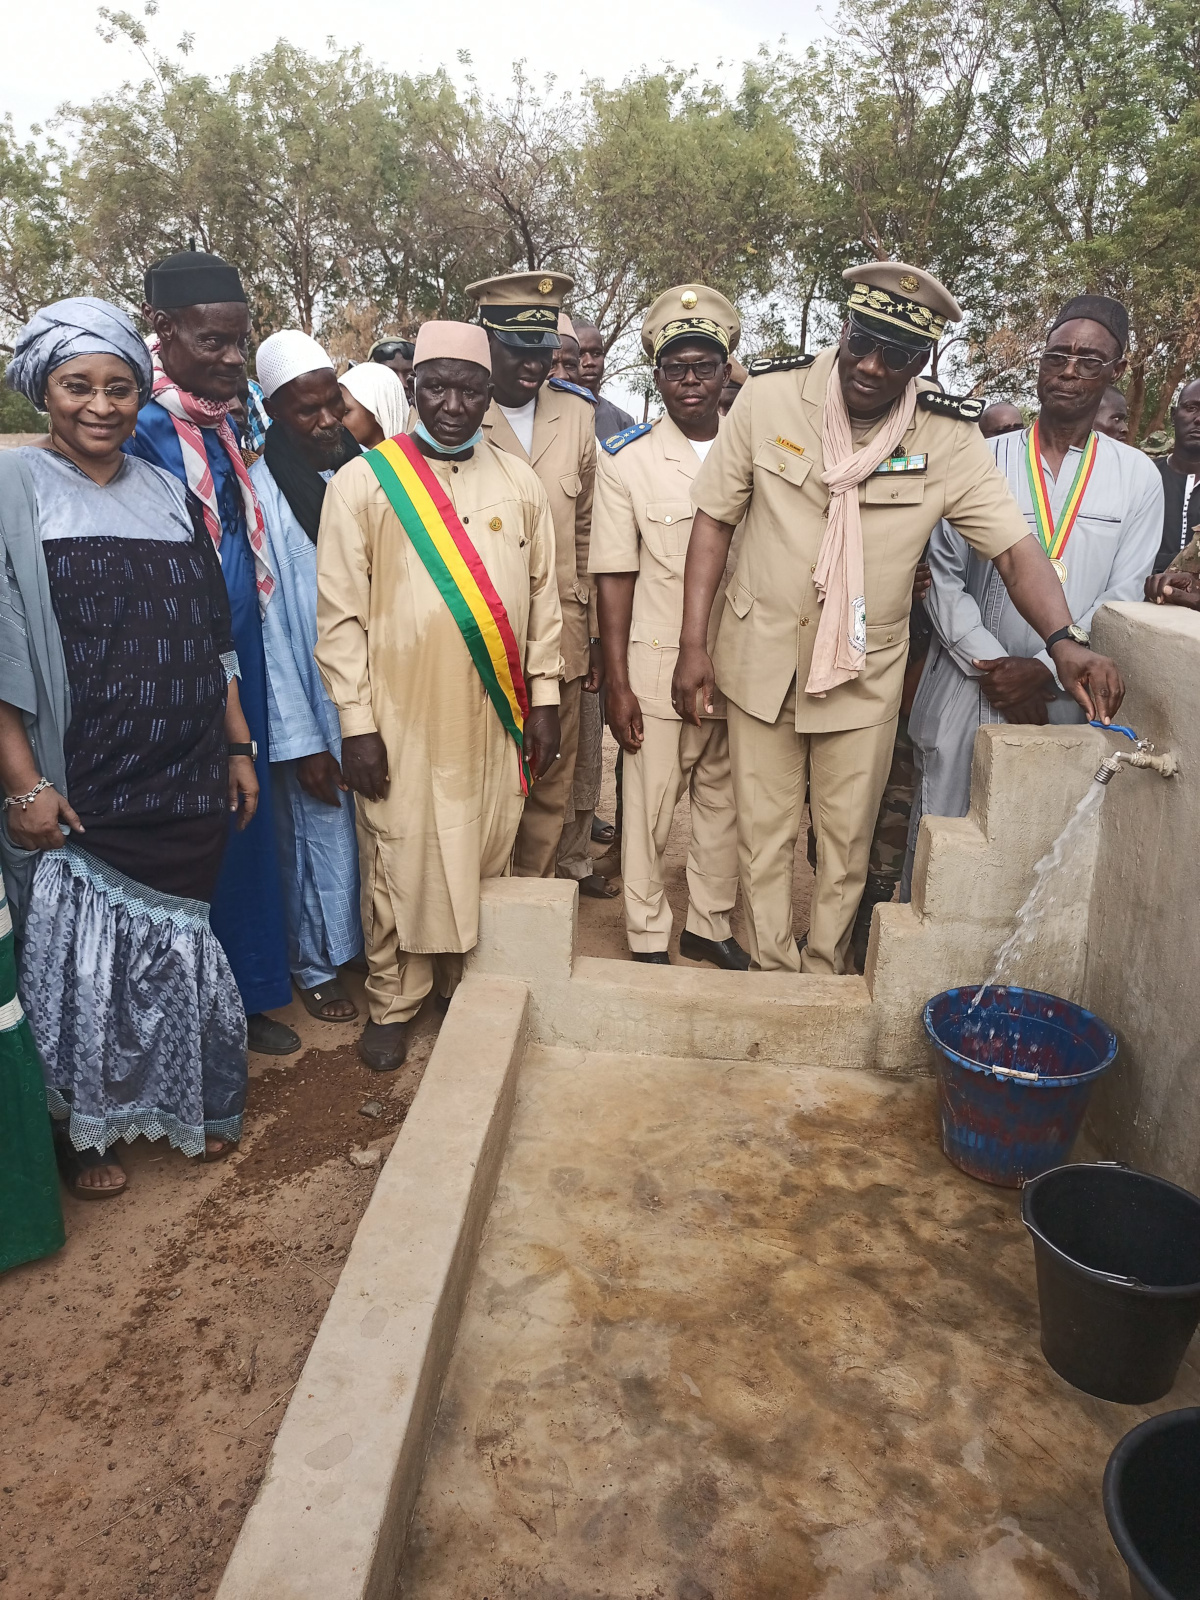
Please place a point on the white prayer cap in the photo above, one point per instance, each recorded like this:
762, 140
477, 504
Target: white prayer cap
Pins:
286, 355
379, 389
453, 341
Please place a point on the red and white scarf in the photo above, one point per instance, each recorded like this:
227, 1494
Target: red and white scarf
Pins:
190, 413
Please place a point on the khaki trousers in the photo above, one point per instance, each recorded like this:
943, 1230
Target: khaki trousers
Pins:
676, 758
398, 980
545, 813
575, 846
845, 774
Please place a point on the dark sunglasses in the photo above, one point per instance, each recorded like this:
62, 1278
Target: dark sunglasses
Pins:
895, 356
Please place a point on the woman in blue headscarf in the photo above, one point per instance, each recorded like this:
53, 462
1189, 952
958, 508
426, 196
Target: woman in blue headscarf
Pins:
123, 748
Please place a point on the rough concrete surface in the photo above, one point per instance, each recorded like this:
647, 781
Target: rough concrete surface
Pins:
329, 1520
743, 1332
1142, 930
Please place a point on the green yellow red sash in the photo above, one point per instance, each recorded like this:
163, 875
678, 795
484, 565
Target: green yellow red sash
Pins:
1054, 539
462, 580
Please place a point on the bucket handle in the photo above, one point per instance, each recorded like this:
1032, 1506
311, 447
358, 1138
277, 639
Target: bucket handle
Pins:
1004, 1072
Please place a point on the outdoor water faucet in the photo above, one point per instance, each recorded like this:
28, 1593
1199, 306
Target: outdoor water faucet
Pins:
1166, 765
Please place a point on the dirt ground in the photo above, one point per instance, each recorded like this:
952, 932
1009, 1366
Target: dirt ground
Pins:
145, 1368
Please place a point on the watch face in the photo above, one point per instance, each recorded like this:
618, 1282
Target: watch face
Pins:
1078, 635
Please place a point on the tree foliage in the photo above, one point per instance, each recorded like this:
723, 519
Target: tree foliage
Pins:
1022, 150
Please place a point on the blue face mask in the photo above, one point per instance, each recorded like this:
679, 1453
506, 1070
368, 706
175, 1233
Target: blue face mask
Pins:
423, 432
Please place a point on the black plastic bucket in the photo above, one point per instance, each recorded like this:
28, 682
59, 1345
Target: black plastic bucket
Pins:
1118, 1275
1152, 1502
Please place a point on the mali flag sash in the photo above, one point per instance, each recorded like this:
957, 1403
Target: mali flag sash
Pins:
462, 580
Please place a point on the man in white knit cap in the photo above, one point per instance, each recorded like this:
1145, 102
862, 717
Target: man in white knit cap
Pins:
314, 812
438, 639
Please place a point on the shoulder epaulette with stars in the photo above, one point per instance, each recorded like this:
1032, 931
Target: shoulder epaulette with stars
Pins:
964, 408
573, 388
778, 364
618, 441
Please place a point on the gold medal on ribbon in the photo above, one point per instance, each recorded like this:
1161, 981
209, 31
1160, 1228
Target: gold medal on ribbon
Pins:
1060, 569
1054, 536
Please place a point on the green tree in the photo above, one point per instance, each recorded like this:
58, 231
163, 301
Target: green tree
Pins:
36, 255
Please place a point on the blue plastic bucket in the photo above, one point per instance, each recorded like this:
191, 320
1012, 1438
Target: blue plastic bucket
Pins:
1014, 1077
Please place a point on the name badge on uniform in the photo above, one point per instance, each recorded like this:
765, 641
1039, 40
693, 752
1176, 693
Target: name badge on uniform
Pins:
786, 444
902, 464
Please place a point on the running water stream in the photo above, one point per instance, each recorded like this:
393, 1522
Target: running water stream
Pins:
1050, 875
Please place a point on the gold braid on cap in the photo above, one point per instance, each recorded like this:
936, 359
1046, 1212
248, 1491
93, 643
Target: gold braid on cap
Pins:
910, 315
523, 317
684, 325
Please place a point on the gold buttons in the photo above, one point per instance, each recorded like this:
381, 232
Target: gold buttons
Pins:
804, 622
688, 299
813, 568
909, 284
783, 466
889, 638
545, 286
654, 642
495, 524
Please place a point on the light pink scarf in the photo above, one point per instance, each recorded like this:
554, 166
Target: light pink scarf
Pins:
841, 643
190, 413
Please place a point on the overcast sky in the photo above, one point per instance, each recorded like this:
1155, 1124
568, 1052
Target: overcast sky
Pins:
52, 52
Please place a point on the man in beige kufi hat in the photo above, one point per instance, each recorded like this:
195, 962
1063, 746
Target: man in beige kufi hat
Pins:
436, 773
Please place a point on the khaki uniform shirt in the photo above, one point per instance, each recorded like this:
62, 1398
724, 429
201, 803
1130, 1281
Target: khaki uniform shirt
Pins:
642, 523
766, 468
564, 458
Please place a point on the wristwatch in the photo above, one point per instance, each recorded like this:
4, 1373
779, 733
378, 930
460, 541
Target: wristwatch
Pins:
1072, 632
250, 749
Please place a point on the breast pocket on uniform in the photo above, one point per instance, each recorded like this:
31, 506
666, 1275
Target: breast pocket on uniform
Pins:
669, 526
894, 489
500, 524
782, 462
571, 484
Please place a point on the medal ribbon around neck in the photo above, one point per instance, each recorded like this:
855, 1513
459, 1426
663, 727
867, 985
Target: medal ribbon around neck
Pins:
1054, 538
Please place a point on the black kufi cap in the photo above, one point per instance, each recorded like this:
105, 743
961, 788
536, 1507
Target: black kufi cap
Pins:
1109, 313
192, 278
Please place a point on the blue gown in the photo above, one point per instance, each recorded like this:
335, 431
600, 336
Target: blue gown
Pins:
247, 913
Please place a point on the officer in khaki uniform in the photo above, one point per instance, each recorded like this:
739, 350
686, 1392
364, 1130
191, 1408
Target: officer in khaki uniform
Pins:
550, 426
839, 466
640, 531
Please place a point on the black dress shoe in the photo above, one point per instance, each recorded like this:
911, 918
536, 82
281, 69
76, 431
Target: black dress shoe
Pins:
382, 1045
659, 958
726, 953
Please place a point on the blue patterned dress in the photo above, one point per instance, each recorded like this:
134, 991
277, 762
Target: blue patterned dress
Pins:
129, 995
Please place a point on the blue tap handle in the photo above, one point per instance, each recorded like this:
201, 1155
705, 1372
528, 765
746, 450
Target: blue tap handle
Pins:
1114, 727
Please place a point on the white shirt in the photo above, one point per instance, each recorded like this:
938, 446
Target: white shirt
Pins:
520, 420
703, 446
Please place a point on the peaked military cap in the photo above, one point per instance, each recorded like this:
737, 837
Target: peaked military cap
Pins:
690, 311
900, 302
521, 308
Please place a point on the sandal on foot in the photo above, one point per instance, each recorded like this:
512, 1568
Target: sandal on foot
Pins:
602, 832
270, 1038
228, 1146
597, 887
72, 1164
317, 1001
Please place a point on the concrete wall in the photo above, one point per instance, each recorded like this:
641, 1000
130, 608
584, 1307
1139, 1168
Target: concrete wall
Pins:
1142, 931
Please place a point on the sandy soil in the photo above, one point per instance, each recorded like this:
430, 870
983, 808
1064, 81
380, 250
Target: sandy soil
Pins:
145, 1368
602, 922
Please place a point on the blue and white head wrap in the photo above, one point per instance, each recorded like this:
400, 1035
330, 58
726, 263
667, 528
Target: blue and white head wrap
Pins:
82, 326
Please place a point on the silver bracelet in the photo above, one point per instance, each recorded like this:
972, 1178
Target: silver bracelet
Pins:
24, 800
